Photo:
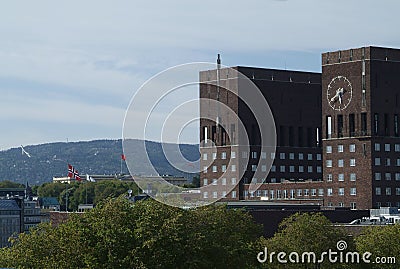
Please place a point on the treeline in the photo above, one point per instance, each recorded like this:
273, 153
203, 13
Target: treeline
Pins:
148, 234
84, 192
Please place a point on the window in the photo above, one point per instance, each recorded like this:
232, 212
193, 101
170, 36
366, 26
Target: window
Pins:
397, 147
223, 195
319, 169
313, 192
377, 147
377, 161
309, 169
387, 147
388, 176
278, 194
254, 154
396, 125
282, 155
397, 191
272, 194
205, 169
292, 194
253, 167
263, 168
341, 204
205, 182
352, 148
233, 154
319, 157
398, 162
273, 180
233, 181
223, 181
341, 191
329, 191
352, 162
299, 192
301, 156
397, 176
387, 162
376, 123
330, 204
205, 195
352, 125
291, 168
272, 155
341, 177
320, 192
340, 125
214, 155
244, 154
282, 168
233, 167
328, 149
328, 127
309, 157
340, 148
205, 156
328, 163
301, 169
329, 177
363, 123
233, 194
214, 181
273, 168
353, 177
388, 191
340, 163
353, 205
377, 191
306, 192
377, 176
284, 194
223, 155
263, 155
353, 191
291, 156
214, 168
215, 194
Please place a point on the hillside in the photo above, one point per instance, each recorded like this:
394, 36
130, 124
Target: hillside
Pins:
92, 157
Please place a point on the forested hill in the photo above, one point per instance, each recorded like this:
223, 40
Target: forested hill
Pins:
91, 157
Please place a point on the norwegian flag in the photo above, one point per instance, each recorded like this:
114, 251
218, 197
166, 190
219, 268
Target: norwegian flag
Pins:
72, 173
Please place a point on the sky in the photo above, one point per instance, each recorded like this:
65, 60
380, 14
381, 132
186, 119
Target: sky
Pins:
68, 69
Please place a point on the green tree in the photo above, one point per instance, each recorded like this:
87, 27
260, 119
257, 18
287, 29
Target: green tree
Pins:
10, 184
381, 241
147, 234
301, 233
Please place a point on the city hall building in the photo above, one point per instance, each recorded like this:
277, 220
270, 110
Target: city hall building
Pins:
337, 133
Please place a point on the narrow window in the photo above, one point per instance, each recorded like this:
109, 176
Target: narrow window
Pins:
352, 126
363, 123
386, 124
376, 123
396, 125
328, 127
340, 125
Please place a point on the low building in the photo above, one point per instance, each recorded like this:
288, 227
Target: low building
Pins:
11, 221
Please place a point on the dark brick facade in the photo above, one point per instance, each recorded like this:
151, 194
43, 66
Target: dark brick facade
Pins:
352, 161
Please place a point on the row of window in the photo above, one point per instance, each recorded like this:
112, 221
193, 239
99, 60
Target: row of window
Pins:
214, 181
296, 193
387, 190
329, 177
340, 148
329, 163
388, 176
387, 147
282, 168
386, 161
214, 195
282, 155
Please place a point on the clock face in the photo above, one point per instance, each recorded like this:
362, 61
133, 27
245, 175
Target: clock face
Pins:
339, 93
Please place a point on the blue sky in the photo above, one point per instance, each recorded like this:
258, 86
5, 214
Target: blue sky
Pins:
68, 69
